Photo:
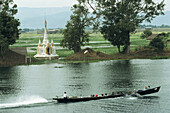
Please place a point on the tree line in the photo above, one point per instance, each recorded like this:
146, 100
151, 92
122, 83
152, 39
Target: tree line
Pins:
154, 26
115, 19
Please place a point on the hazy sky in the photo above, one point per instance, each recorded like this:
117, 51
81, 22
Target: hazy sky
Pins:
44, 3
60, 3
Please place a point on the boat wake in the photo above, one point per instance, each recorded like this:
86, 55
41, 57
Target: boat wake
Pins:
24, 102
132, 98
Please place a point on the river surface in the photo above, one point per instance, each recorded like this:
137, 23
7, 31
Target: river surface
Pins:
30, 89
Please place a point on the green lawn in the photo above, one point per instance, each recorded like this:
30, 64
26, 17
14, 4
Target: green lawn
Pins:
97, 42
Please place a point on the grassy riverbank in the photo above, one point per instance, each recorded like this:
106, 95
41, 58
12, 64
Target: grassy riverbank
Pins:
97, 43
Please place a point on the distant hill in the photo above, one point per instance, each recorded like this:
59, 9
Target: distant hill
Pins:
163, 19
57, 17
34, 17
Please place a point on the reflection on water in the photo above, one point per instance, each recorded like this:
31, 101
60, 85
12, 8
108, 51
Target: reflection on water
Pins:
120, 74
25, 85
9, 80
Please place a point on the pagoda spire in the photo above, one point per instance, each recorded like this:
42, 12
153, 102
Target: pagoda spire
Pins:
39, 44
45, 40
45, 24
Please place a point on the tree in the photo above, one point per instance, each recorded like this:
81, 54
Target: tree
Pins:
146, 33
9, 31
122, 17
165, 37
143, 36
158, 44
115, 32
74, 34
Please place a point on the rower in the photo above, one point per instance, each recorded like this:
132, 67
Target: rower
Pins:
65, 95
145, 87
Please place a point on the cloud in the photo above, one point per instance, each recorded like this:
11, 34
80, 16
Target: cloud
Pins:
61, 3
44, 3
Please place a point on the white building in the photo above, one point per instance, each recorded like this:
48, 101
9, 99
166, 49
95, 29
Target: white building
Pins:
46, 50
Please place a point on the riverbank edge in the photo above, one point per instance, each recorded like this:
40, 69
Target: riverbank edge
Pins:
63, 61
147, 54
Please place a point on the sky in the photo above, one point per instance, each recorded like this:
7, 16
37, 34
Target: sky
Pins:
44, 3
60, 3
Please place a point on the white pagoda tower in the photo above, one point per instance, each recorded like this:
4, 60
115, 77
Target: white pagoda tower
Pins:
46, 50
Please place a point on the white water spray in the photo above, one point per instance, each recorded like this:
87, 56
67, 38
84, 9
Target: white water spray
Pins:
25, 101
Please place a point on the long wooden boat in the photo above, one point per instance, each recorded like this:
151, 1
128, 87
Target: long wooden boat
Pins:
148, 91
79, 99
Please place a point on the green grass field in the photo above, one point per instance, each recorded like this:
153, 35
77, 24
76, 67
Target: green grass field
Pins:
97, 42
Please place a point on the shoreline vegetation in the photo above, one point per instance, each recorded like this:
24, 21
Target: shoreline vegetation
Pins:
98, 49
95, 57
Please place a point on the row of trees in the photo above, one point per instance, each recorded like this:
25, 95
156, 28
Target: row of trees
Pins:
115, 19
9, 31
154, 26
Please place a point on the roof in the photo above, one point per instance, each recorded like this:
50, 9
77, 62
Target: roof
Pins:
152, 36
20, 50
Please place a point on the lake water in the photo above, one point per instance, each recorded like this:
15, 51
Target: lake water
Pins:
30, 89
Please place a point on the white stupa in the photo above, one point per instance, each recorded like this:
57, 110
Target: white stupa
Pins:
46, 50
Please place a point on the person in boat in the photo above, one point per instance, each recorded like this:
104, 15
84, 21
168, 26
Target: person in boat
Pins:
134, 90
65, 95
92, 95
112, 93
96, 95
145, 87
148, 87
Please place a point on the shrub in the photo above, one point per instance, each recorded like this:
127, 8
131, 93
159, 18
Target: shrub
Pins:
146, 33
143, 36
158, 44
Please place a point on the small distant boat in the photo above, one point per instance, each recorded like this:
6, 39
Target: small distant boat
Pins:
80, 99
148, 91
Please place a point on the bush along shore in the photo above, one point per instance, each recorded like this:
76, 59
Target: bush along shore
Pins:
142, 53
94, 56
11, 58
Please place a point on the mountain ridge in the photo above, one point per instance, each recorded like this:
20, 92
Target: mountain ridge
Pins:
57, 17
34, 17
